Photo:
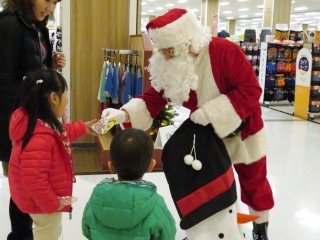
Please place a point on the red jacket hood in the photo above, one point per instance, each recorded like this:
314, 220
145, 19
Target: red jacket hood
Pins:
19, 124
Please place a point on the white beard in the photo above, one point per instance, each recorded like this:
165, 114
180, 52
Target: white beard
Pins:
176, 77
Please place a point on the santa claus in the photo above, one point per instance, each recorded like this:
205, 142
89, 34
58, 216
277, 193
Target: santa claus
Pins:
211, 77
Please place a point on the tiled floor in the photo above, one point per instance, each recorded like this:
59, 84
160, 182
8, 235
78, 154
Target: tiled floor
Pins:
293, 167
289, 109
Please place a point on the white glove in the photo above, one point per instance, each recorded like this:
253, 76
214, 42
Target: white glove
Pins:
199, 117
112, 113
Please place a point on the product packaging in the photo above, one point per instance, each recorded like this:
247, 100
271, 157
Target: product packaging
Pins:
104, 125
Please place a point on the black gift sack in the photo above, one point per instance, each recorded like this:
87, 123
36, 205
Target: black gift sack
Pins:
198, 194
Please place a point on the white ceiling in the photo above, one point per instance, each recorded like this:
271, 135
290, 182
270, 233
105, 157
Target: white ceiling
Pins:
310, 16
248, 13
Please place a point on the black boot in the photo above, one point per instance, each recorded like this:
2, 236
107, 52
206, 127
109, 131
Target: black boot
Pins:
260, 231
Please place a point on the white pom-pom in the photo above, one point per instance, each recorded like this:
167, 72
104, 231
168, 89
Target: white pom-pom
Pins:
188, 159
197, 165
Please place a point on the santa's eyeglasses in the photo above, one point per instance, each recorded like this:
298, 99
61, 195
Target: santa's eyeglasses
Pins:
171, 52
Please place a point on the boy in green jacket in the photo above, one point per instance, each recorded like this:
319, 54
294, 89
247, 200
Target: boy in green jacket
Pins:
128, 208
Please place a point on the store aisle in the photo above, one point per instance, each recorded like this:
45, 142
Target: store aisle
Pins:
293, 168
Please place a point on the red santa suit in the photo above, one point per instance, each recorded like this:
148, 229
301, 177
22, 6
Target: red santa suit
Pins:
228, 92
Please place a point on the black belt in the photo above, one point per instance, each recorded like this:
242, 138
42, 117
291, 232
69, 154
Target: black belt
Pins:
235, 132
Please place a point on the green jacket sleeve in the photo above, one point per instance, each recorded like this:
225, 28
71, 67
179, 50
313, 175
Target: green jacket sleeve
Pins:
167, 226
85, 222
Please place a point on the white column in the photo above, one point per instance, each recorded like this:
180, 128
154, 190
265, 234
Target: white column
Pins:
133, 17
276, 11
65, 19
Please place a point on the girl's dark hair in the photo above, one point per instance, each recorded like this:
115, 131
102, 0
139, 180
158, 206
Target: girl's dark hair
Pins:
131, 152
33, 97
25, 7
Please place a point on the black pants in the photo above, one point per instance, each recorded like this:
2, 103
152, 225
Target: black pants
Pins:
21, 224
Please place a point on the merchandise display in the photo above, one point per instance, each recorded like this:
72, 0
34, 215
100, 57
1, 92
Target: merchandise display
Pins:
313, 36
250, 35
281, 33
121, 79
264, 33
314, 103
252, 52
58, 46
296, 34
277, 71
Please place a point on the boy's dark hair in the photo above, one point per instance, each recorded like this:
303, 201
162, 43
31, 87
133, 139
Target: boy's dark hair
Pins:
33, 97
25, 8
131, 153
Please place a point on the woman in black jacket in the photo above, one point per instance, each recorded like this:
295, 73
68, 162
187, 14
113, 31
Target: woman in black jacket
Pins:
24, 47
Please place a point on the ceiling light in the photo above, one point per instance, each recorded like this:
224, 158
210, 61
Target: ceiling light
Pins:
224, 3
170, 5
293, 1
301, 19
260, 6
308, 22
242, 0
227, 12
243, 16
159, 8
229, 18
193, 10
243, 9
311, 13
182, 1
144, 13
258, 14
151, 0
143, 3
300, 8
150, 11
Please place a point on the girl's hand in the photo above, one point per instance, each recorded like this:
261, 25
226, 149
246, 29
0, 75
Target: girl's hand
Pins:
89, 129
62, 205
65, 201
58, 60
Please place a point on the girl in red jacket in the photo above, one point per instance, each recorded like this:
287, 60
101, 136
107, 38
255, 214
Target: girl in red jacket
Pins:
41, 169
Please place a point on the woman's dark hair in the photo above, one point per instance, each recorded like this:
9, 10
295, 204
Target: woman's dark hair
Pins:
33, 97
131, 152
25, 7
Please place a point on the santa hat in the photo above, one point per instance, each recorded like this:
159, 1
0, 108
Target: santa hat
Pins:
177, 26
205, 185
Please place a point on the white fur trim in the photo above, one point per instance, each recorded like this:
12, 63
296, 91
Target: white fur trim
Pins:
207, 87
222, 115
249, 150
263, 215
181, 30
221, 222
139, 115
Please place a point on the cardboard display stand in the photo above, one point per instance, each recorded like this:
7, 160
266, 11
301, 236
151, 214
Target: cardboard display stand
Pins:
303, 80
